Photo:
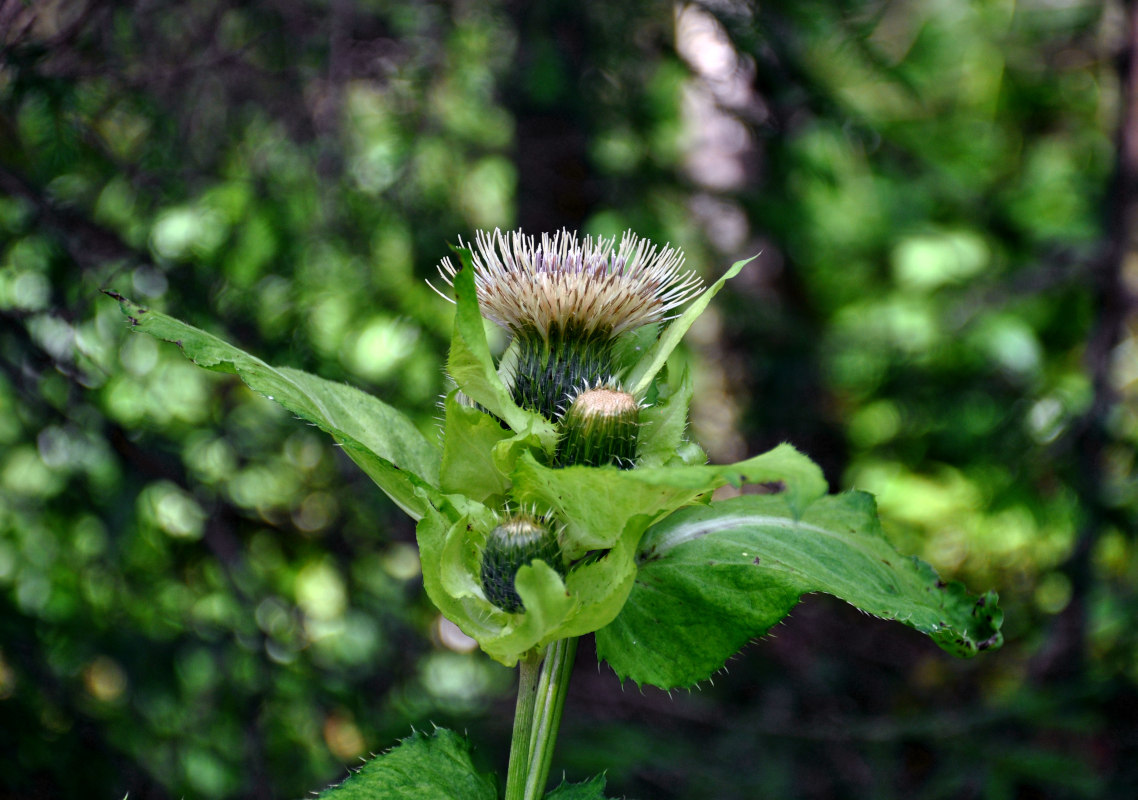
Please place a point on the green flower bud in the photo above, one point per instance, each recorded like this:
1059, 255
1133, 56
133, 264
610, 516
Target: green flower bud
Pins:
520, 540
601, 427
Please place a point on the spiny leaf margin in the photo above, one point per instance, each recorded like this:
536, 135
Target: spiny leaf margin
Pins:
592, 789
420, 766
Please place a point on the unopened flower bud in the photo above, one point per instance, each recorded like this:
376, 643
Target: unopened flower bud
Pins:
520, 540
600, 427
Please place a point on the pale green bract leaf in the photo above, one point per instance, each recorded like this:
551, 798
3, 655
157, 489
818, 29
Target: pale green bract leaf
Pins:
555, 608
597, 505
453, 589
783, 471
468, 464
472, 367
451, 540
508, 451
421, 766
547, 607
713, 577
605, 511
662, 426
601, 585
479, 454
378, 437
653, 360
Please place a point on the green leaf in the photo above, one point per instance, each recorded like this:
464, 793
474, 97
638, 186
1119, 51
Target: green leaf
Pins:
605, 512
468, 465
597, 504
600, 586
472, 366
592, 789
421, 766
378, 437
713, 577
662, 425
651, 362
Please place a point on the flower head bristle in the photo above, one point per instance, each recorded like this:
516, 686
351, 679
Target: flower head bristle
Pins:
565, 286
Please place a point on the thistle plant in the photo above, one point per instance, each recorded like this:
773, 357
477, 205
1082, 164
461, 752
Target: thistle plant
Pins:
565, 497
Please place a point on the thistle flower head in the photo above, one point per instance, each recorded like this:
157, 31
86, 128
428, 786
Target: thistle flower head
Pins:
562, 285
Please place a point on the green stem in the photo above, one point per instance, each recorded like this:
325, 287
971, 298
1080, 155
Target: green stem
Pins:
550, 701
529, 668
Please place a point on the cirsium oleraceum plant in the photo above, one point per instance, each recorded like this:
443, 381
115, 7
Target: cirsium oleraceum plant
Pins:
565, 497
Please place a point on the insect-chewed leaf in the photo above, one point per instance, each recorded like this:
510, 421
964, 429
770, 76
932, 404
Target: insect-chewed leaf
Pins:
713, 577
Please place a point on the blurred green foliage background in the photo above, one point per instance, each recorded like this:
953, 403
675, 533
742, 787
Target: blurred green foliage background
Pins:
199, 597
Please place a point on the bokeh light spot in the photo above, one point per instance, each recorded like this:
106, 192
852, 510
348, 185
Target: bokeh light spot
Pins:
104, 679
320, 590
343, 736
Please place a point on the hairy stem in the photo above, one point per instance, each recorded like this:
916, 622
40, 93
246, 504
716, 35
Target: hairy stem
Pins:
550, 701
529, 669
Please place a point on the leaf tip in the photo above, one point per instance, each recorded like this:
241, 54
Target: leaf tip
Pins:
131, 309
